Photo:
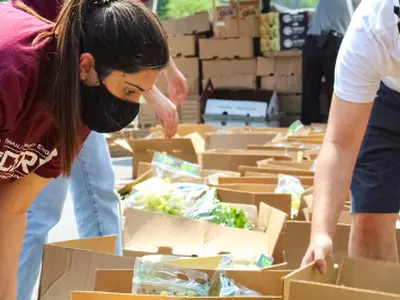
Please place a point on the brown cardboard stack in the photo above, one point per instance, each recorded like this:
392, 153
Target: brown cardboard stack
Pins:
183, 37
228, 57
281, 72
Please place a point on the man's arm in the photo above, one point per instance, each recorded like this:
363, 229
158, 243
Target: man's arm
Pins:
15, 199
336, 161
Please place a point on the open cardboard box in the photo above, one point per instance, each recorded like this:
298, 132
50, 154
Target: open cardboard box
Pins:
186, 129
117, 284
72, 265
230, 160
270, 163
148, 231
273, 180
297, 239
357, 279
187, 148
237, 140
268, 170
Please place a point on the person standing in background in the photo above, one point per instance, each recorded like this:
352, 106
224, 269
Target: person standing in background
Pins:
328, 26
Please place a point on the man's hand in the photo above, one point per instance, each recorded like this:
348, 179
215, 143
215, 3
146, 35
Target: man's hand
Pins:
319, 250
177, 84
165, 111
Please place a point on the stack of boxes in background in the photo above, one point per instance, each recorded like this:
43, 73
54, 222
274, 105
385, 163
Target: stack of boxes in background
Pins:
248, 50
228, 58
283, 31
183, 37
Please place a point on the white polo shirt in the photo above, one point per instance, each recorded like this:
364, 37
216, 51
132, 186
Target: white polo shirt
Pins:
370, 52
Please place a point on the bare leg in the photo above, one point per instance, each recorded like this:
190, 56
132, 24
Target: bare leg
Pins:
373, 236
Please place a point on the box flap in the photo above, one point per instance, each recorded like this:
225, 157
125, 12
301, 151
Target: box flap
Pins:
309, 273
106, 244
149, 231
306, 181
300, 290
198, 141
266, 282
176, 145
370, 275
272, 222
66, 269
275, 171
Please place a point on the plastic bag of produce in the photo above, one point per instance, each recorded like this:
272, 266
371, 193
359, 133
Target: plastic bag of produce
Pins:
209, 208
154, 278
290, 185
223, 286
174, 169
167, 198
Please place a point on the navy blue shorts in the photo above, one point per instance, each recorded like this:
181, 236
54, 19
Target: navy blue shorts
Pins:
376, 180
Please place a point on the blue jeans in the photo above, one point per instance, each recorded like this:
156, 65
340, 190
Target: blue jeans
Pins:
95, 205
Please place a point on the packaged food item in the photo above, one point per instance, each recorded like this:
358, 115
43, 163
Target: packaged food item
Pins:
223, 286
154, 278
290, 185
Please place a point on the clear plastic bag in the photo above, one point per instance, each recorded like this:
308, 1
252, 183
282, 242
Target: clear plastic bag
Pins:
154, 278
209, 208
173, 169
223, 286
290, 185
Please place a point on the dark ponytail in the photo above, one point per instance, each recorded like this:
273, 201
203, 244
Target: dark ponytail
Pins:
121, 35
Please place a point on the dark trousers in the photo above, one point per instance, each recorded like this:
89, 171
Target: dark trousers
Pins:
319, 59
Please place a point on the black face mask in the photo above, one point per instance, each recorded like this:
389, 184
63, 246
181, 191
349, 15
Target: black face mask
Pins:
103, 112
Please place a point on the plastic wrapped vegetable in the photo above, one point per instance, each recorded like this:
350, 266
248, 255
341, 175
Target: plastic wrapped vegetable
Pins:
222, 286
290, 185
210, 209
153, 278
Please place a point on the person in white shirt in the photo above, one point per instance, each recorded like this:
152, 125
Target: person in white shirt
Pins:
361, 149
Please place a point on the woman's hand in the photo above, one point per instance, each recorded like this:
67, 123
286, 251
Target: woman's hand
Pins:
177, 83
165, 111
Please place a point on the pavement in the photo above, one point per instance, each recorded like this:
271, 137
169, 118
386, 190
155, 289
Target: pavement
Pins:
66, 228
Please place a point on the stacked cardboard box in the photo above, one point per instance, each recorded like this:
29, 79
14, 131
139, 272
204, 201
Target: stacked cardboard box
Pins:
283, 31
228, 57
183, 37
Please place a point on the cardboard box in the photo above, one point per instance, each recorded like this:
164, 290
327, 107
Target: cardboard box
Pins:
303, 165
281, 72
226, 21
197, 23
306, 181
187, 129
189, 66
192, 82
186, 148
234, 82
225, 68
72, 265
283, 31
237, 140
231, 48
266, 282
357, 279
147, 116
244, 168
182, 46
231, 160
280, 64
190, 111
147, 231
249, 18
